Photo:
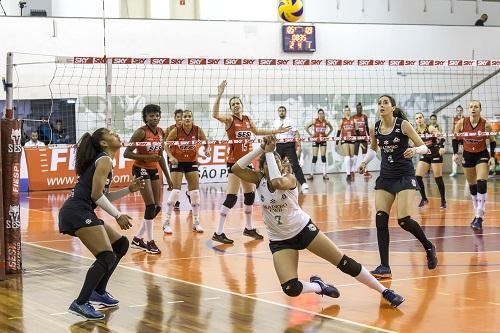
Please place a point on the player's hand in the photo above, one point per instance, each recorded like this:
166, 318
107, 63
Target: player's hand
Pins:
170, 184
362, 168
207, 152
221, 87
136, 184
282, 129
173, 161
409, 152
286, 166
456, 158
124, 221
441, 151
491, 163
270, 144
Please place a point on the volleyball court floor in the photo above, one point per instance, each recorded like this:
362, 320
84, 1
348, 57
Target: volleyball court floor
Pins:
197, 285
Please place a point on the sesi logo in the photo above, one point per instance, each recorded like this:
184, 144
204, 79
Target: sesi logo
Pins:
243, 134
15, 137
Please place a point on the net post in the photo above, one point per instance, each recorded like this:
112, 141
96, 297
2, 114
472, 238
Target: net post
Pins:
109, 104
8, 113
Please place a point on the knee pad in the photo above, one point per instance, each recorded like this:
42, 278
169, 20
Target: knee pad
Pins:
482, 186
323, 159
150, 211
106, 259
249, 198
406, 223
347, 159
195, 197
315, 158
174, 196
473, 189
157, 210
349, 266
120, 247
292, 287
382, 220
230, 200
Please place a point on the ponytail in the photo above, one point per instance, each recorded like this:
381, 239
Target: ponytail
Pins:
88, 148
398, 113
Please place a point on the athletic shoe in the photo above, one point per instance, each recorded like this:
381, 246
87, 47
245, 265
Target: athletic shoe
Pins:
423, 202
197, 228
106, 300
304, 188
382, 272
432, 259
167, 228
222, 238
477, 224
310, 177
453, 174
443, 204
367, 174
348, 178
325, 177
152, 248
326, 289
138, 243
394, 299
86, 311
252, 233
177, 205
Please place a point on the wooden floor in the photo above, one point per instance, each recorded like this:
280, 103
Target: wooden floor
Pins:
196, 285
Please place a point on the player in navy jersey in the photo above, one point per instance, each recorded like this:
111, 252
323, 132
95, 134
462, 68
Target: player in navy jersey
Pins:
290, 229
94, 163
397, 179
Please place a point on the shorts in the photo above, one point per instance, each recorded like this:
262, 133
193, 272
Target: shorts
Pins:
184, 167
431, 158
470, 160
229, 166
317, 144
395, 186
364, 147
352, 142
151, 174
299, 241
74, 216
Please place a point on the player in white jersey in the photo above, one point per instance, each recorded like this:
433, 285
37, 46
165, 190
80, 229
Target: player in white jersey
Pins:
290, 229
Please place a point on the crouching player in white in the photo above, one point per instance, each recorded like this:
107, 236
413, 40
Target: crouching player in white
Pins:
290, 229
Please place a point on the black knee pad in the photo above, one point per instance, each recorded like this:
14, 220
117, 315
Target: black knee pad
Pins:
230, 200
349, 266
120, 247
473, 189
292, 287
406, 223
157, 210
482, 186
249, 198
315, 158
323, 159
106, 259
382, 220
150, 211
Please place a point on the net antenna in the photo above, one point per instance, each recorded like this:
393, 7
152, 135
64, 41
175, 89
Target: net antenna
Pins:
109, 74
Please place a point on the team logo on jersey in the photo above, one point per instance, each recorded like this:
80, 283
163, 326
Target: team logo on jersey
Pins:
390, 159
144, 172
311, 227
262, 198
273, 201
396, 139
386, 142
283, 196
414, 182
88, 221
397, 130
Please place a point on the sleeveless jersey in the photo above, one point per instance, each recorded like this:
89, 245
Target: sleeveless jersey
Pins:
392, 145
474, 144
319, 128
283, 216
169, 129
347, 128
430, 142
82, 191
361, 123
155, 144
455, 121
239, 130
186, 152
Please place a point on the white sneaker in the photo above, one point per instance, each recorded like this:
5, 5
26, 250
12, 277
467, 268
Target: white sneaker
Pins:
197, 228
167, 229
305, 188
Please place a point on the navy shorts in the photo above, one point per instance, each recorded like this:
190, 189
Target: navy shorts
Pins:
145, 173
74, 215
299, 241
184, 167
470, 160
319, 144
431, 158
395, 186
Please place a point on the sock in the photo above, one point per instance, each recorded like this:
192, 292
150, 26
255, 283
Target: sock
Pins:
482, 188
172, 199
310, 287
195, 204
440, 185
473, 194
222, 219
368, 280
454, 167
383, 237
94, 275
312, 168
353, 164
149, 229
323, 167
248, 217
142, 229
420, 183
412, 226
347, 165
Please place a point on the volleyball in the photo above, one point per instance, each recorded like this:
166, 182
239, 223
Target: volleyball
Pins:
290, 10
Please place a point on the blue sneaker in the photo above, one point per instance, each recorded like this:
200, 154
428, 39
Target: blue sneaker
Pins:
326, 289
394, 299
105, 300
382, 272
86, 311
432, 259
477, 224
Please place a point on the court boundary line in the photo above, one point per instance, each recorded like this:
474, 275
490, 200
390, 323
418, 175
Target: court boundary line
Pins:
345, 321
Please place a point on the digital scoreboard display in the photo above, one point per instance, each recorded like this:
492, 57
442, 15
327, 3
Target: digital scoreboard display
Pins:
299, 38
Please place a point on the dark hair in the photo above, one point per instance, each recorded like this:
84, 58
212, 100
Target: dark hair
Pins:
282, 107
346, 106
150, 108
321, 110
398, 113
235, 97
178, 111
262, 160
88, 148
359, 104
59, 121
478, 102
459, 106
433, 116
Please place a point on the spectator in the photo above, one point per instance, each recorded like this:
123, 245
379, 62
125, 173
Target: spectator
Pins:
482, 20
34, 141
59, 135
44, 130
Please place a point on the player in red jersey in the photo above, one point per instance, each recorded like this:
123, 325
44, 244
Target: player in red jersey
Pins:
476, 158
146, 161
459, 111
184, 161
361, 124
178, 123
347, 129
238, 126
319, 126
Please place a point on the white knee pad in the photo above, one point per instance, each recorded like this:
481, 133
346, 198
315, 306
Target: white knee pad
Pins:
195, 197
174, 196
